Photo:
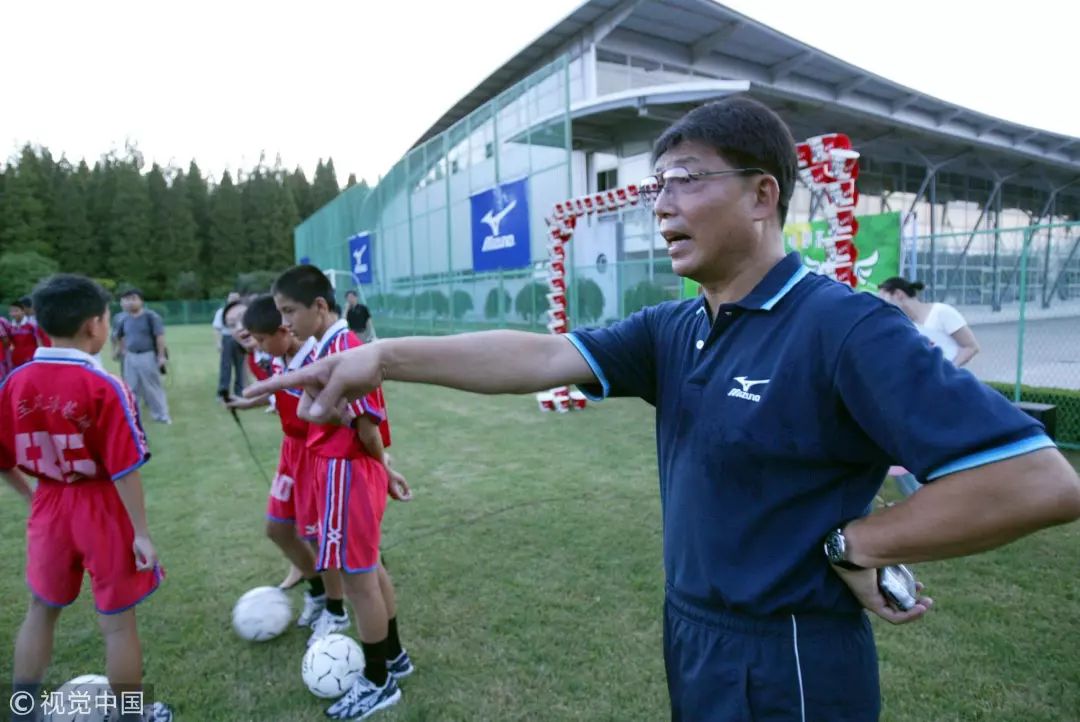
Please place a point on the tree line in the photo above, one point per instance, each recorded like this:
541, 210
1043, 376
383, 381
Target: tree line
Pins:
172, 232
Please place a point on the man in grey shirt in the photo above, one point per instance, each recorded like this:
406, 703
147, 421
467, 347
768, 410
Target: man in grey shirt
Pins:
141, 338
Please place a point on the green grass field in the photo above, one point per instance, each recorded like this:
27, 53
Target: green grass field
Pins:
528, 573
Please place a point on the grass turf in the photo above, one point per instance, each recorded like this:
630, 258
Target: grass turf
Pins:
528, 575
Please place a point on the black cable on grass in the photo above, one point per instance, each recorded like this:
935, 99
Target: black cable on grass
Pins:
247, 440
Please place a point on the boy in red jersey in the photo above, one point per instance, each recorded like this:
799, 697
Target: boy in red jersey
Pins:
25, 335
352, 481
76, 428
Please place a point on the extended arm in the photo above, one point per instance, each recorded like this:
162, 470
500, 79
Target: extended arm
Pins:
490, 362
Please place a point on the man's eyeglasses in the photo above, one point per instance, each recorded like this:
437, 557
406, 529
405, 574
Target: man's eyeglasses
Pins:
680, 179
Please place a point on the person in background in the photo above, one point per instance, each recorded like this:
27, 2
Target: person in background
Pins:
24, 334
939, 322
359, 320
141, 335
351, 299
114, 340
231, 353
943, 326
5, 347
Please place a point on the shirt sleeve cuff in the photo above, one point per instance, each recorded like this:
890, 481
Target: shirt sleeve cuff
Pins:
590, 389
121, 474
372, 412
1000, 453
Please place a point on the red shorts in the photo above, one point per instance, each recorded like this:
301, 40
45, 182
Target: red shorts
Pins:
351, 497
291, 499
80, 526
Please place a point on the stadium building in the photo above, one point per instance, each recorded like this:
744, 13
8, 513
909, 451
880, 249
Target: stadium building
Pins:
454, 236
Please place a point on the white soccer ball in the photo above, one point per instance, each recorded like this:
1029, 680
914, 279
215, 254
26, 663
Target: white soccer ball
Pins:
331, 665
77, 700
261, 614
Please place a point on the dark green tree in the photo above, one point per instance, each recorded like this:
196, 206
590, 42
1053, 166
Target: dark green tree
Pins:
463, 303
178, 234
645, 293
297, 182
20, 270
288, 217
531, 301
22, 215
129, 227
198, 193
589, 300
497, 303
74, 243
324, 187
227, 238
100, 194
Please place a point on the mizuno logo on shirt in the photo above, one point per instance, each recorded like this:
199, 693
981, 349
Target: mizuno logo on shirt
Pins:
744, 392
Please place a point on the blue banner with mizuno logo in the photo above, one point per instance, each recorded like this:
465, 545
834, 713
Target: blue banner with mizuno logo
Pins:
500, 227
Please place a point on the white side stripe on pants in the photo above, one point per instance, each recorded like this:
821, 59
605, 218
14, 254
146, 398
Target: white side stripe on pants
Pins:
798, 666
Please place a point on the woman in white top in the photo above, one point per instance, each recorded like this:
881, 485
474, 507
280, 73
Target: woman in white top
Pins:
943, 326
939, 322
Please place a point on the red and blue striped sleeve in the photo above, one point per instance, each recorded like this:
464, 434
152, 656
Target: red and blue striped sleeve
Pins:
121, 442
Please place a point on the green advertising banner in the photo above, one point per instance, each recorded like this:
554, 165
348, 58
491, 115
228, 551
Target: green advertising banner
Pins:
877, 246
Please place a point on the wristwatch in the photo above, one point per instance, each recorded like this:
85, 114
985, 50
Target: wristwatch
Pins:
836, 550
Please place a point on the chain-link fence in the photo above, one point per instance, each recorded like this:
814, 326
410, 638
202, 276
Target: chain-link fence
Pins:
175, 313
1019, 290
597, 295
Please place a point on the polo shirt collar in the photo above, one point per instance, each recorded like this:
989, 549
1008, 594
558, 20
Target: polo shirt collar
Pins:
73, 355
301, 356
776, 284
336, 328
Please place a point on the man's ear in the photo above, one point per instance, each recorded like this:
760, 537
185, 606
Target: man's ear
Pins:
766, 197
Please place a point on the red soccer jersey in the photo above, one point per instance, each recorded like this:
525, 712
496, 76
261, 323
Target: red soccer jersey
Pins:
287, 400
26, 337
64, 418
340, 442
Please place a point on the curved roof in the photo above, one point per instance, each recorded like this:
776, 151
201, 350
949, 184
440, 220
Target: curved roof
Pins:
719, 42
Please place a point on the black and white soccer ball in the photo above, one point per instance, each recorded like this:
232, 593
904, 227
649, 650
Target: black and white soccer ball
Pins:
261, 614
331, 665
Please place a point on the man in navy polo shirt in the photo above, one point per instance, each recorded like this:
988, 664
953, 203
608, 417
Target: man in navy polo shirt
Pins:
776, 420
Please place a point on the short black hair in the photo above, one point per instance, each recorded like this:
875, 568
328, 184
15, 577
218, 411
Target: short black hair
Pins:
230, 306
65, 301
132, 292
352, 292
305, 284
358, 317
22, 303
743, 132
25, 302
262, 316
896, 283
